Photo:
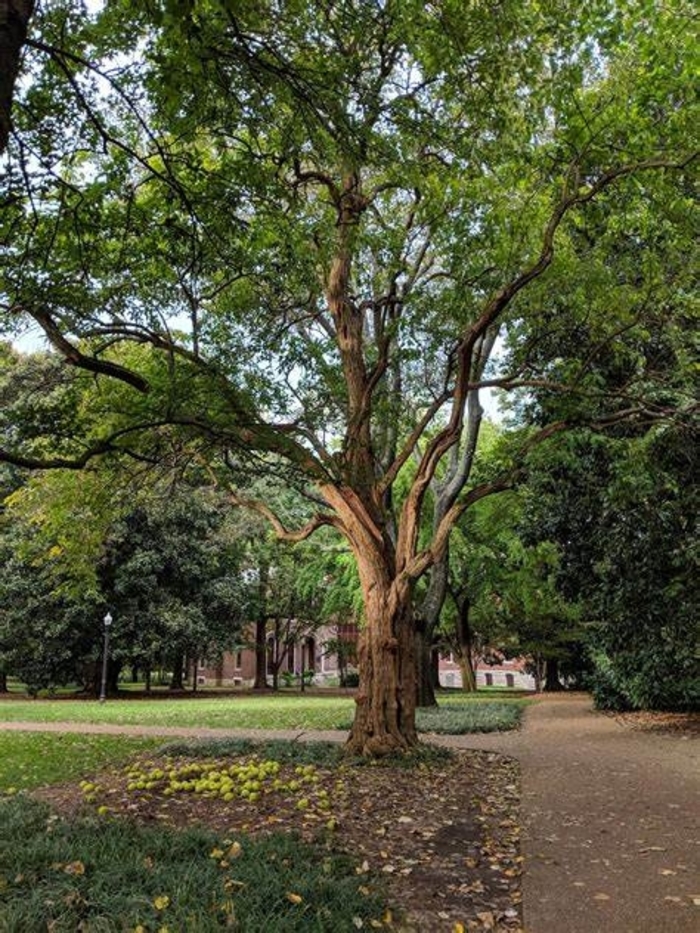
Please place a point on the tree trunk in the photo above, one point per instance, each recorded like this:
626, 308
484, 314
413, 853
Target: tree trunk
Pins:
3, 682
386, 698
467, 672
552, 684
426, 622
178, 662
14, 19
425, 667
260, 654
465, 642
538, 672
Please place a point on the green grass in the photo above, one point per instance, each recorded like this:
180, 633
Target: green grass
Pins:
297, 713
244, 712
30, 759
104, 876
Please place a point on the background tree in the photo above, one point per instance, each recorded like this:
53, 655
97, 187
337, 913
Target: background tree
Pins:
170, 573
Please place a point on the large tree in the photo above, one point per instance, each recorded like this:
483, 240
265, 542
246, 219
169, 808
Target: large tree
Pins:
316, 215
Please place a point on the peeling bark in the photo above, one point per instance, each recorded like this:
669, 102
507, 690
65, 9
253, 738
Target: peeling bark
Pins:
385, 702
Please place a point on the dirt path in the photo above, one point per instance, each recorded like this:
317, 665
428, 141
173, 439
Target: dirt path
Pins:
612, 841
611, 820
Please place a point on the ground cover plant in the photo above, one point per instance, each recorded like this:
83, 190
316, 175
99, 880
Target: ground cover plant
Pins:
246, 712
440, 830
29, 759
98, 875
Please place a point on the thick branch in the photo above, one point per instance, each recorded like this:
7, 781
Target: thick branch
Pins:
80, 360
282, 533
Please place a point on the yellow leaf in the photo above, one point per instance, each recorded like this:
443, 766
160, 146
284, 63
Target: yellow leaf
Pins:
458, 928
161, 902
388, 917
234, 850
74, 868
216, 853
294, 898
139, 929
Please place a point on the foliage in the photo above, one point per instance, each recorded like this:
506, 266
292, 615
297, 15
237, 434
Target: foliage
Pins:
167, 565
623, 513
647, 643
170, 573
117, 875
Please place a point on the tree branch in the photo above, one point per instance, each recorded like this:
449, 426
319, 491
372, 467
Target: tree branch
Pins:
282, 533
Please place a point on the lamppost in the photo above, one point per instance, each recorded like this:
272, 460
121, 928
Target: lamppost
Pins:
105, 657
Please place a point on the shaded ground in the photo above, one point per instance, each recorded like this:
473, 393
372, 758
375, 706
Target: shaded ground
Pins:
444, 836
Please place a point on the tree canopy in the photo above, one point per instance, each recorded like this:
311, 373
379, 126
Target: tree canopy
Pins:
280, 237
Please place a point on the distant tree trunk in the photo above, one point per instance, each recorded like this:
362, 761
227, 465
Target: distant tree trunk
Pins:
538, 672
552, 684
465, 641
3, 682
148, 680
260, 654
178, 662
14, 20
114, 669
425, 666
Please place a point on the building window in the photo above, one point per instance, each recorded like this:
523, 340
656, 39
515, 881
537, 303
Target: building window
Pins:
510, 680
489, 680
239, 660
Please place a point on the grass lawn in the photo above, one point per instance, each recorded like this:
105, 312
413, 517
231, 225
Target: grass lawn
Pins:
32, 759
280, 711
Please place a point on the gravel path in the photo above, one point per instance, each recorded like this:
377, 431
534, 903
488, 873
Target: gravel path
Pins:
611, 821
611, 814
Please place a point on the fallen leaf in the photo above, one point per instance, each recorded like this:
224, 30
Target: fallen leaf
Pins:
294, 898
601, 897
74, 868
161, 902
